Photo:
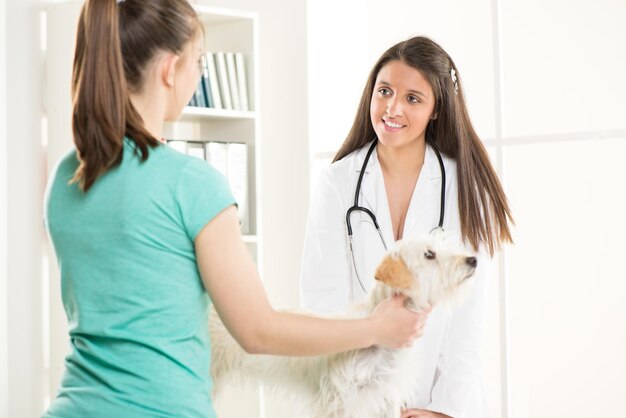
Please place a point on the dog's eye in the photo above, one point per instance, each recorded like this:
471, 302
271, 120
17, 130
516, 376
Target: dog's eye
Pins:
430, 255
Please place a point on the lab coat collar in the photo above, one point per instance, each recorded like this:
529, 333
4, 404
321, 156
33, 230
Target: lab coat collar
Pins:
431, 165
359, 157
373, 192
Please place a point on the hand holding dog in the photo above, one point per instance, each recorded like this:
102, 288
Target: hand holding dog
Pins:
395, 326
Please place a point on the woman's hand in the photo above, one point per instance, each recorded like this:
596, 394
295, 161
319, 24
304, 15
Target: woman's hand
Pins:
395, 326
421, 413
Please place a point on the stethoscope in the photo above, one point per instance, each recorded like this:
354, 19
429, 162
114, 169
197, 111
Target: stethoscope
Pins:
357, 208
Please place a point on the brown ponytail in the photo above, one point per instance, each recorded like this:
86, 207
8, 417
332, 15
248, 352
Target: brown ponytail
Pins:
483, 206
114, 43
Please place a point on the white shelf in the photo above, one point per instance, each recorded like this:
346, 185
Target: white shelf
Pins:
216, 15
198, 114
250, 239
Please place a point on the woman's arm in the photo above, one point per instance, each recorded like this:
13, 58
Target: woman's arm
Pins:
421, 413
230, 276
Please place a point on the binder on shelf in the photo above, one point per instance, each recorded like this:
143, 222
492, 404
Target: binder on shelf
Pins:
238, 179
222, 76
196, 149
216, 153
232, 80
213, 81
178, 145
231, 159
241, 81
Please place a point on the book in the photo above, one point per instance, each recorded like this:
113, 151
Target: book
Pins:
199, 95
241, 81
231, 159
237, 169
206, 87
192, 101
232, 80
196, 149
222, 76
213, 81
204, 83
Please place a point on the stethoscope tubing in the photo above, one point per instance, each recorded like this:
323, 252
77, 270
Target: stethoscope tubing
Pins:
356, 208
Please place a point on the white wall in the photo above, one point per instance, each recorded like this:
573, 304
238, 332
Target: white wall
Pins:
544, 86
567, 282
24, 171
563, 105
4, 298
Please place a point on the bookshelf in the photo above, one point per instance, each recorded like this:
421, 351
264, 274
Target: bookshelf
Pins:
234, 31
224, 30
198, 114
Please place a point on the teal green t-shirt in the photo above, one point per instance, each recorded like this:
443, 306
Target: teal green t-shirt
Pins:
133, 296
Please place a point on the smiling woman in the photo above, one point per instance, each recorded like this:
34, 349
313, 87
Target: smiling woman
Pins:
425, 156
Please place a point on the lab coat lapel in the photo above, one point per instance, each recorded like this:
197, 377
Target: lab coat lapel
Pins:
383, 214
423, 213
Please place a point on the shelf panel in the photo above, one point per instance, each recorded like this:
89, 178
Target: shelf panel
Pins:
250, 238
215, 15
197, 114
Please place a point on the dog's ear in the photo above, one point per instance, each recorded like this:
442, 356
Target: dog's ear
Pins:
394, 273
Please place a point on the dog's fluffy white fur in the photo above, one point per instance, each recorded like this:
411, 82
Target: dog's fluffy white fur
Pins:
373, 382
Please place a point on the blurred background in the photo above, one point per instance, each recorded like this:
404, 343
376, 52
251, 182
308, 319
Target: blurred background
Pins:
544, 82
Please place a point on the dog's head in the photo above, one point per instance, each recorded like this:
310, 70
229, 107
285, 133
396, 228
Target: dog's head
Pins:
428, 268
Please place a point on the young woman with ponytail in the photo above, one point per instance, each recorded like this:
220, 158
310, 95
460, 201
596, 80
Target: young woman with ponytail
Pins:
147, 238
412, 106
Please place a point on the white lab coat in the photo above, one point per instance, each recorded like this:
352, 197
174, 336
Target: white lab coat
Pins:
450, 348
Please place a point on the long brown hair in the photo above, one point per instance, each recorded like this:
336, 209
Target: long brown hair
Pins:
483, 206
114, 43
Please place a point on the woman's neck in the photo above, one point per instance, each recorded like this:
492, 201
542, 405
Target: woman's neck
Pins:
152, 113
402, 161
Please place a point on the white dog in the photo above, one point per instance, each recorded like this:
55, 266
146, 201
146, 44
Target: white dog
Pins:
373, 382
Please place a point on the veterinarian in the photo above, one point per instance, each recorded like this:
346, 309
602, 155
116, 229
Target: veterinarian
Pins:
411, 163
140, 231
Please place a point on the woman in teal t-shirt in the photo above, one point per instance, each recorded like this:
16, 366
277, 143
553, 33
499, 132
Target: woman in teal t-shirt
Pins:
142, 232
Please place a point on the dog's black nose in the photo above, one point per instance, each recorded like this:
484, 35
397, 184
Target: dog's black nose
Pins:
471, 261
